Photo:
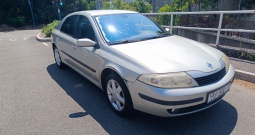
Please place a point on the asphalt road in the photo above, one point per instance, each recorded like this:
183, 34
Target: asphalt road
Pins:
38, 98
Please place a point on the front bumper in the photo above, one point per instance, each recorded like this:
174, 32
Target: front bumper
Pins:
166, 102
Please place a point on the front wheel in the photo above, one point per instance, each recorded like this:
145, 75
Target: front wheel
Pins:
118, 95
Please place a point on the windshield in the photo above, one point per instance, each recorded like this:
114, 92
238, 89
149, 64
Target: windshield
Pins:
125, 28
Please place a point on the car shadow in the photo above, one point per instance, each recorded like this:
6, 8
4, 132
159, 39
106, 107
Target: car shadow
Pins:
219, 119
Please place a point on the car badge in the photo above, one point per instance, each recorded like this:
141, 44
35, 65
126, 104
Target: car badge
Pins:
210, 65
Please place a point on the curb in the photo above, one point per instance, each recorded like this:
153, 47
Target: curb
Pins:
243, 75
38, 38
235, 52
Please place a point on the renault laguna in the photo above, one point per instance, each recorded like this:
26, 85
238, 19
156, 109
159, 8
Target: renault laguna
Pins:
139, 65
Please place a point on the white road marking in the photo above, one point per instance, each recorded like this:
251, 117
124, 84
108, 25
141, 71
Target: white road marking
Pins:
25, 38
12, 39
78, 85
45, 44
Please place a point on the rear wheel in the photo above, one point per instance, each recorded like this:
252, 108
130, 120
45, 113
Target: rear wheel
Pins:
57, 57
118, 95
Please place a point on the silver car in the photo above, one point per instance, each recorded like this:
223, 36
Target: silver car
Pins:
139, 65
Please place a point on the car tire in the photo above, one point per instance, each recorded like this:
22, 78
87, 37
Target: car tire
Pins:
57, 58
118, 95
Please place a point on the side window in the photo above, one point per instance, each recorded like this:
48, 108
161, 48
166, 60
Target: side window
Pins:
69, 25
85, 29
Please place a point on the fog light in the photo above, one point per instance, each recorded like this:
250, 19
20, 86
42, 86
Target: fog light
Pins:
173, 111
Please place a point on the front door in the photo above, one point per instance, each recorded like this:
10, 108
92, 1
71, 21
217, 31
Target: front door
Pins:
87, 56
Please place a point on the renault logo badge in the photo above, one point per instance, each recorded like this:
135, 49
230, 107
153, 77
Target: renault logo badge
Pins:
210, 65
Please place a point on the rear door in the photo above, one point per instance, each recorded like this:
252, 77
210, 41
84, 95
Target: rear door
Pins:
66, 40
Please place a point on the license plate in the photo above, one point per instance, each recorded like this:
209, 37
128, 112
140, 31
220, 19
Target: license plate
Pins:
218, 93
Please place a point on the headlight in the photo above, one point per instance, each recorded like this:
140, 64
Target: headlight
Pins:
226, 60
169, 80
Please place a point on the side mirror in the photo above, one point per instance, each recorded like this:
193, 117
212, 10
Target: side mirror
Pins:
85, 42
167, 29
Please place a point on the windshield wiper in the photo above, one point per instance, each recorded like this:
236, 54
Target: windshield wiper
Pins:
164, 34
123, 42
160, 35
153, 37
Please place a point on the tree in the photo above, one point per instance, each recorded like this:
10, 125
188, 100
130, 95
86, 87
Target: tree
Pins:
209, 4
106, 4
92, 5
185, 5
141, 6
17, 12
119, 4
175, 6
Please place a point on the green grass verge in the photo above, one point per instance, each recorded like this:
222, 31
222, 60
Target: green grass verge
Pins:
49, 27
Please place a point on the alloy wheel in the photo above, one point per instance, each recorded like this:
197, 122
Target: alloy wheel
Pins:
115, 95
57, 57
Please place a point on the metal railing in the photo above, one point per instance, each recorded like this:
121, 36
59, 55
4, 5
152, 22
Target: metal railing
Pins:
219, 29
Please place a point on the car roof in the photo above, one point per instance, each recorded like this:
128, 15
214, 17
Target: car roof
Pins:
105, 12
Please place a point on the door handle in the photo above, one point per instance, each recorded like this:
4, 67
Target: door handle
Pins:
74, 46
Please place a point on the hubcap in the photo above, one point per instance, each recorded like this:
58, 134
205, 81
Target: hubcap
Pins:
57, 57
115, 95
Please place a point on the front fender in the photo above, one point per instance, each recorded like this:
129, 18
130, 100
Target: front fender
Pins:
124, 72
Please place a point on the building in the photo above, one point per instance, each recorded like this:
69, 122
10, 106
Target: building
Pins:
99, 4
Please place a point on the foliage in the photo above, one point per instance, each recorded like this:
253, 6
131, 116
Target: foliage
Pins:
184, 5
16, 21
139, 5
48, 29
247, 4
92, 5
17, 12
13, 9
164, 19
116, 4
106, 4
208, 4
175, 6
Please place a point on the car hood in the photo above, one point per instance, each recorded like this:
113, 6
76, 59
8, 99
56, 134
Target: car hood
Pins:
172, 54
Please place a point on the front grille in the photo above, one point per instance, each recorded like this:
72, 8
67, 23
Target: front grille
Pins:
205, 80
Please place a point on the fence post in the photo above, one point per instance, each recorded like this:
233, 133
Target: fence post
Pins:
171, 24
219, 29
